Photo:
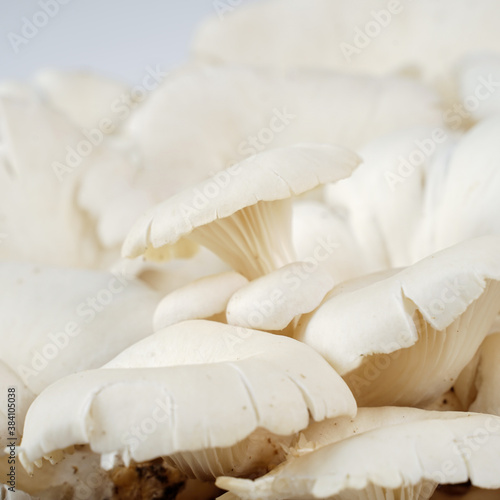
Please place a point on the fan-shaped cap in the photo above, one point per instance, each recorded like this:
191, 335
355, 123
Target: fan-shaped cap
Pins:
29, 185
406, 458
86, 98
201, 388
272, 176
232, 113
344, 35
53, 319
324, 237
272, 301
201, 299
391, 201
469, 200
404, 339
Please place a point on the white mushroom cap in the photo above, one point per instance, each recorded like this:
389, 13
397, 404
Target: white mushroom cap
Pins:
469, 198
404, 339
23, 397
202, 388
415, 194
59, 321
242, 214
85, 97
333, 430
272, 301
230, 113
390, 202
324, 237
233, 112
344, 36
398, 459
166, 277
29, 188
201, 299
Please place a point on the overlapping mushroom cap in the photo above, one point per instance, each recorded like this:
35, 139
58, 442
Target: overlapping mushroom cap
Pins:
88, 99
469, 201
390, 201
61, 234
405, 339
54, 318
414, 194
59, 321
405, 456
271, 302
115, 177
205, 298
374, 37
242, 213
233, 112
212, 398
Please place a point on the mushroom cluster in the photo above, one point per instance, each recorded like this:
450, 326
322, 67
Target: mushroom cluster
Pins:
276, 278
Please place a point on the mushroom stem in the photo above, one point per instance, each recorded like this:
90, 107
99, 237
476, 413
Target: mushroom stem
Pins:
254, 241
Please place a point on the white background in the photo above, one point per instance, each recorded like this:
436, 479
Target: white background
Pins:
118, 38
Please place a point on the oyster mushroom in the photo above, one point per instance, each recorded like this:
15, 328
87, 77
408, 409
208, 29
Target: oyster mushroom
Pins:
53, 319
59, 321
210, 398
414, 194
86, 98
205, 298
371, 37
232, 113
62, 234
469, 197
271, 302
324, 238
404, 340
404, 457
243, 213
390, 203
